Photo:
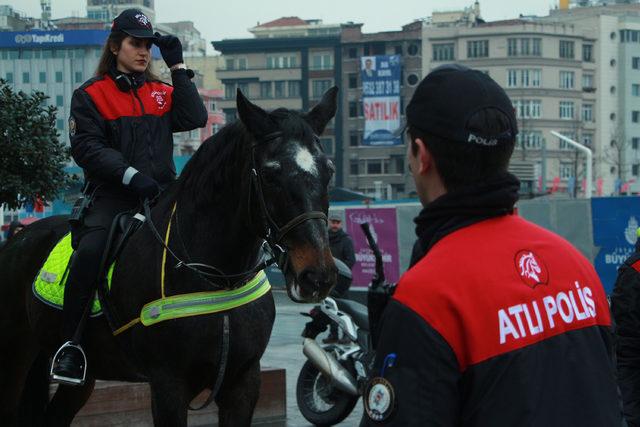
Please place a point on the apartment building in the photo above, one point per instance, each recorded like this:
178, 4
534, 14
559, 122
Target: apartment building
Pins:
616, 28
290, 63
548, 70
378, 171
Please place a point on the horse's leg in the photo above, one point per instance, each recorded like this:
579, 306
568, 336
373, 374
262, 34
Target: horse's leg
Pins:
169, 401
16, 360
237, 400
66, 403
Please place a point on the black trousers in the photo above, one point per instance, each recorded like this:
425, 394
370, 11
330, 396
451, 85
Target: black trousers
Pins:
89, 240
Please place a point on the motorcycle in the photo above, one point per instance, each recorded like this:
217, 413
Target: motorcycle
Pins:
334, 377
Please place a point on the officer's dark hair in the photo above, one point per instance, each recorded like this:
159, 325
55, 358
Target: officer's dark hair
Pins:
108, 59
461, 164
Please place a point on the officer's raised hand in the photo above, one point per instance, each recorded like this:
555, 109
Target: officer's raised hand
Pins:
146, 187
170, 48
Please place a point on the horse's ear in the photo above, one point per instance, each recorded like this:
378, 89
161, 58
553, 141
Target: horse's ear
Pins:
254, 118
324, 111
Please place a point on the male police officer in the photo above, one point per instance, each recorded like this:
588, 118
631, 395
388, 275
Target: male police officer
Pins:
498, 322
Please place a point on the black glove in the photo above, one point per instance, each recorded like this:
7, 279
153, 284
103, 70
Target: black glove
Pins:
170, 48
146, 187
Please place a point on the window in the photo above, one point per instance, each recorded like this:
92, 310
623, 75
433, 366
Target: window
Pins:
635, 116
566, 110
9, 77
413, 49
566, 49
397, 50
58, 76
294, 88
524, 47
242, 63
512, 47
26, 78
413, 79
230, 90
512, 78
587, 139
635, 63
265, 90
566, 170
354, 138
59, 100
443, 52
321, 61
352, 52
478, 49
566, 79
60, 124
587, 81
635, 142
353, 80
353, 167
374, 166
279, 89
398, 164
319, 87
587, 112
42, 77
531, 140
78, 77
528, 108
230, 64
284, 61
353, 108
634, 169
635, 89
229, 115
587, 52
524, 78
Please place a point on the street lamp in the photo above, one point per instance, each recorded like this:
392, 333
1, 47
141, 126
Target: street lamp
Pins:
588, 152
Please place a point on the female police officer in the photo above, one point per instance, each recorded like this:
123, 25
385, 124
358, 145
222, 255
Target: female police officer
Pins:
121, 128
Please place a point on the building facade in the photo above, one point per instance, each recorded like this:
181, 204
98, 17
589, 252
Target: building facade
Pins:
617, 88
107, 10
377, 171
289, 63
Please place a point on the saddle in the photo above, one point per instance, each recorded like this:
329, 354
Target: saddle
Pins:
49, 284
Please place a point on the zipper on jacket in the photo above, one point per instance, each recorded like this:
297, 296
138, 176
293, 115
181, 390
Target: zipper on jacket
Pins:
150, 145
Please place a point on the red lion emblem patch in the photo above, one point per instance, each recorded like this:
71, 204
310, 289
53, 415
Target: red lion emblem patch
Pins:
160, 96
532, 270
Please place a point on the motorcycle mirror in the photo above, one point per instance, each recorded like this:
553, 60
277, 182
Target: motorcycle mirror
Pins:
343, 269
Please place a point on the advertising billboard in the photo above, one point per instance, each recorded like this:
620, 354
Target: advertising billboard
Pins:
381, 99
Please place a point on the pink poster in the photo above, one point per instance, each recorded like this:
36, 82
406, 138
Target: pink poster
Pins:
382, 222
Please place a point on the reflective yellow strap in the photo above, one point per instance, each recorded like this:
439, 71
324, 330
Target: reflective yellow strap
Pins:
164, 251
125, 327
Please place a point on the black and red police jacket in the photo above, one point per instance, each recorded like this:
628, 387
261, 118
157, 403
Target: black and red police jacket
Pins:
113, 128
502, 323
625, 306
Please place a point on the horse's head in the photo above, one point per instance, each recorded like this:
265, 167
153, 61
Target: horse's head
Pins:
290, 190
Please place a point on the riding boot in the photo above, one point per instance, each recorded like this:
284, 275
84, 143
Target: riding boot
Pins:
70, 363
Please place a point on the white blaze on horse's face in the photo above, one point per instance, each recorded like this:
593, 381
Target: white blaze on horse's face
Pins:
305, 161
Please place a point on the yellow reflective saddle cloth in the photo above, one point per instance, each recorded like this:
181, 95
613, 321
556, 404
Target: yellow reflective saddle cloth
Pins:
49, 284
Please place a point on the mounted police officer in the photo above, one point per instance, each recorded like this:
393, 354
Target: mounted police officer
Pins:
498, 322
121, 127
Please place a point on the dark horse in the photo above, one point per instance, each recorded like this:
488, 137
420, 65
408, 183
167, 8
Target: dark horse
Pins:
221, 221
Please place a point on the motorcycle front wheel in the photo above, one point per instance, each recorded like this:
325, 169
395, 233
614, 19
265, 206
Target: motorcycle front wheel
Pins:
319, 401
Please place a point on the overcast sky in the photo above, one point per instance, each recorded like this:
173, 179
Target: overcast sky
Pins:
217, 19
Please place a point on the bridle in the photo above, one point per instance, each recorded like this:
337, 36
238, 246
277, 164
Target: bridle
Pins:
272, 232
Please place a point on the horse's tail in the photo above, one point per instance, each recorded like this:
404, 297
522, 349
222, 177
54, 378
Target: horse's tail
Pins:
35, 395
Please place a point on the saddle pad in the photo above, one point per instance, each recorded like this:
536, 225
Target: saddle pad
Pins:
49, 284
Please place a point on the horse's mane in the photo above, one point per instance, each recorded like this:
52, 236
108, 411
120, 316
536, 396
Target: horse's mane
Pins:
211, 169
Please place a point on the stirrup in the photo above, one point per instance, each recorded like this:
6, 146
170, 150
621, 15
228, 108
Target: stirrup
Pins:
64, 379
